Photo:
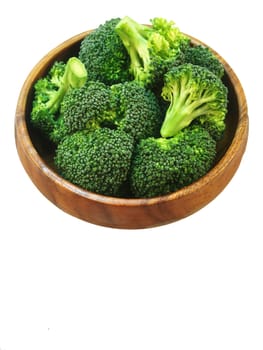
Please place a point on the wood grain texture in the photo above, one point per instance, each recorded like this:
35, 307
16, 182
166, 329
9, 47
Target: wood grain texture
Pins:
35, 156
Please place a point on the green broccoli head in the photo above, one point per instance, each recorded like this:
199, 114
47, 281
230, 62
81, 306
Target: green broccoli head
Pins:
50, 90
203, 56
97, 161
152, 50
137, 110
194, 93
161, 166
82, 108
104, 54
126, 106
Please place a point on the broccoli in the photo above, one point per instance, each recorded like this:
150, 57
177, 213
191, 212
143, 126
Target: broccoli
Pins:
86, 108
97, 161
104, 54
126, 106
152, 50
194, 93
203, 56
137, 114
50, 90
161, 166
137, 110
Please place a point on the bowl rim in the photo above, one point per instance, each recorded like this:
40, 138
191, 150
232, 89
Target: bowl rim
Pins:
241, 132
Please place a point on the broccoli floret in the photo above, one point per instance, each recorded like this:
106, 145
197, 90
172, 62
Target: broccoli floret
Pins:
161, 166
203, 56
194, 93
104, 54
152, 50
137, 110
50, 90
86, 108
125, 106
97, 161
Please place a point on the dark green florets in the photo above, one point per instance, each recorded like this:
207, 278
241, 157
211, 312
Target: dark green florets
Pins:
127, 106
84, 108
104, 54
161, 166
138, 110
97, 161
204, 57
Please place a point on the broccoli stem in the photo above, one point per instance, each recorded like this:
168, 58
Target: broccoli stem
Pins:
182, 111
75, 76
134, 37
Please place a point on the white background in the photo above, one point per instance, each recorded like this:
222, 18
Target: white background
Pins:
67, 284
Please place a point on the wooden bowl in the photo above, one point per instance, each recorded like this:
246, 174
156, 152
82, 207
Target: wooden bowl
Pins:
36, 157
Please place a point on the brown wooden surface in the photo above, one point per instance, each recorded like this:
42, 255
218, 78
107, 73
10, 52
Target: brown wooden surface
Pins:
118, 212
